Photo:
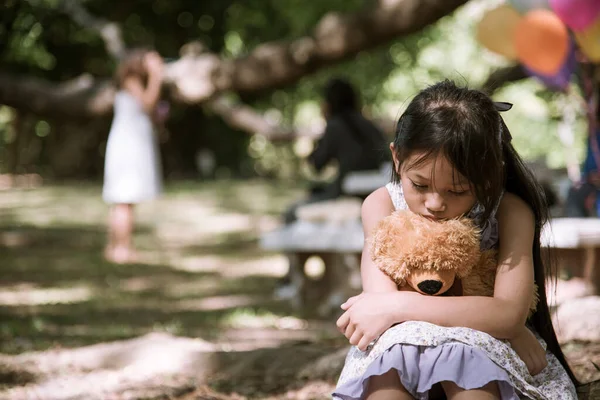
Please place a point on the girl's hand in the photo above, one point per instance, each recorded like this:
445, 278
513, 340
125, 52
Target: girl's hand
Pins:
367, 316
154, 63
526, 345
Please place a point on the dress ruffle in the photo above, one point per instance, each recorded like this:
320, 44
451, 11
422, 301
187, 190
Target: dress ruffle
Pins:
421, 367
424, 354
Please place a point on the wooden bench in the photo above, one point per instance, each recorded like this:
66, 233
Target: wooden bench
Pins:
339, 242
332, 231
575, 244
362, 183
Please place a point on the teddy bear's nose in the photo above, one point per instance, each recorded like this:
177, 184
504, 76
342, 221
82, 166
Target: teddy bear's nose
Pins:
430, 286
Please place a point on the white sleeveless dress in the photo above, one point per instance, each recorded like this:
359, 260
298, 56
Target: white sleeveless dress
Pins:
132, 168
425, 354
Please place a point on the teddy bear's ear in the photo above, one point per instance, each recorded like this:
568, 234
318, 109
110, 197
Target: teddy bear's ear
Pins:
385, 246
460, 245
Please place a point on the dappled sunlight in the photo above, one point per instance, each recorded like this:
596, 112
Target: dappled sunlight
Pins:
207, 263
215, 303
180, 208
120, 366
201, 274
246, 318
203, 230
314, 267
87, 330
274, 265
196, 287
60, 206
245, 339
15, 239
211, 228
139, 284
26, 295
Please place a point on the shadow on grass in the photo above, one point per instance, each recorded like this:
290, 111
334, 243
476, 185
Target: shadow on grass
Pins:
57, 290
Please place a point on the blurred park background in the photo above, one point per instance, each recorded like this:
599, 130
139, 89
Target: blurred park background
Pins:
195, 316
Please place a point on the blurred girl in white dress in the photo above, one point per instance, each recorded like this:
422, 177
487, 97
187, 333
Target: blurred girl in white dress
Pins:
132, 170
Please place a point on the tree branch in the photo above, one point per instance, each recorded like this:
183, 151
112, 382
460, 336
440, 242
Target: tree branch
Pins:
236, 115
241, 116
200, 78
84, 98
109, 31
197, 78
80, 98
336, 37
502, 76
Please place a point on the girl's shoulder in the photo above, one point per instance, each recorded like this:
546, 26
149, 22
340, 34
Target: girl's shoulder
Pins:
512, 207
378, 199
376, 206
512, 202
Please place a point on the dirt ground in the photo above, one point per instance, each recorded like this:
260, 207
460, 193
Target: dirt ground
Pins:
194, 319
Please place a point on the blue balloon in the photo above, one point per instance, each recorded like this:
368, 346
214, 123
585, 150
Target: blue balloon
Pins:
522, 6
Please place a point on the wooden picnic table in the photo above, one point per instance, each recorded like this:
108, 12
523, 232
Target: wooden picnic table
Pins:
337, 236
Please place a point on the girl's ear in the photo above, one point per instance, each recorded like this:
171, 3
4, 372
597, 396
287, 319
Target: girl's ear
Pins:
395, 158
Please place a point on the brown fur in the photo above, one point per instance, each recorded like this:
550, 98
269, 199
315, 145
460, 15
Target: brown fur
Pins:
412, 249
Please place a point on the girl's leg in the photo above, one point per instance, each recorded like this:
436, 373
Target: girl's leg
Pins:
387, 386
120, 249
487, 392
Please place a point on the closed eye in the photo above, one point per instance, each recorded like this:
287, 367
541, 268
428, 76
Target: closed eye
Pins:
458, 192
418, 187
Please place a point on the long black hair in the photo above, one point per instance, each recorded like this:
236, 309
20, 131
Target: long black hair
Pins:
465, 126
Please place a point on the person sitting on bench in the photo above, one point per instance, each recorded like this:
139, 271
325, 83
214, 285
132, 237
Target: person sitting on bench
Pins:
349, 138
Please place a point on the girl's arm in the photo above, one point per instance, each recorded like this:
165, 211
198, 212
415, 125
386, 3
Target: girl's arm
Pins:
376, 206
503, 315
150, 94
154, 66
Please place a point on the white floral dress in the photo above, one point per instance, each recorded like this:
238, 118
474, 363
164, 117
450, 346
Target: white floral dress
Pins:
425, 354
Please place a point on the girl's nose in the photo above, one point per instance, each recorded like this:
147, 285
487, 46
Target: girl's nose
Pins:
435, 203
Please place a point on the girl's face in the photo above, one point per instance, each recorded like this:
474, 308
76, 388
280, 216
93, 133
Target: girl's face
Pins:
433, 188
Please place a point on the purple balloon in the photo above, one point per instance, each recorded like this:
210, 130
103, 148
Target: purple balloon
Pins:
561, 79
576, 14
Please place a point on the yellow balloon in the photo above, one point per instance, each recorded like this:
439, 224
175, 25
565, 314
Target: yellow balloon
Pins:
589, 41
496, 30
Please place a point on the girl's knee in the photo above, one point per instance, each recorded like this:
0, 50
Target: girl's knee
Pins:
487, 392
386, 386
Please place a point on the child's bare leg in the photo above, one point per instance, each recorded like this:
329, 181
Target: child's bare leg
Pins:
487, 392
387, 386
120, 248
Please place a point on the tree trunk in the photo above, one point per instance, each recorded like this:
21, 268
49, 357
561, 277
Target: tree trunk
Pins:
197, 78
12, 145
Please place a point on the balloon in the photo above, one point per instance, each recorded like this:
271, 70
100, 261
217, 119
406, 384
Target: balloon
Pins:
542, 41
589, 41
576, 14
523, 6
560, 80
496, 30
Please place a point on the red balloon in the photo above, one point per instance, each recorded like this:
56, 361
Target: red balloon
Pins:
542, 41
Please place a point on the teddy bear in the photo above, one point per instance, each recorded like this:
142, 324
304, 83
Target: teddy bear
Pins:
428, 256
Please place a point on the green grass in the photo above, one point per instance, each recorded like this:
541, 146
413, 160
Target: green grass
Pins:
201, 272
